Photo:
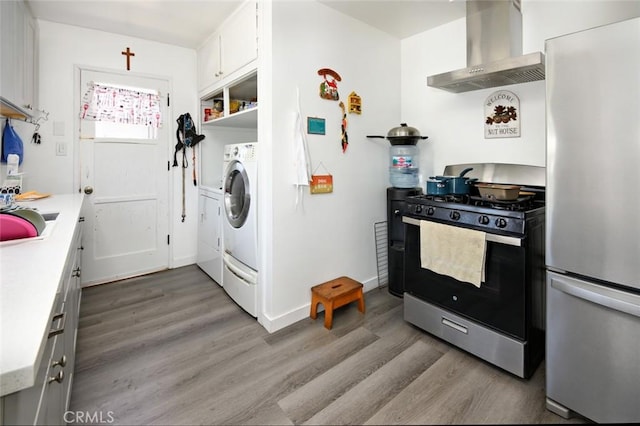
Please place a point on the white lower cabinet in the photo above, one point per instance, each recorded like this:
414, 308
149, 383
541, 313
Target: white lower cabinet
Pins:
209, 236
46, 402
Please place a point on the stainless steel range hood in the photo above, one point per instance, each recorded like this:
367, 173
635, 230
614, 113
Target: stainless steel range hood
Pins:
494, 50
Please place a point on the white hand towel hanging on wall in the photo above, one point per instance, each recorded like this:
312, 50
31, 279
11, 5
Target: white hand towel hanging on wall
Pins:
301, 158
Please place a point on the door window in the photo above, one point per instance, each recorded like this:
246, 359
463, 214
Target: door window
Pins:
236, 195
119, 112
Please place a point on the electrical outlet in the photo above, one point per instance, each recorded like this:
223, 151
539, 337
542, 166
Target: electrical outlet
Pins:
61, 148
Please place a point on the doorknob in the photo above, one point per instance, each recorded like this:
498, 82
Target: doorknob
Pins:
88, 190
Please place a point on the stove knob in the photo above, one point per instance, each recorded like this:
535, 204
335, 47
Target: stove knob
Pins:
501, 223
418, 209
454, 215
431, 211
483, 220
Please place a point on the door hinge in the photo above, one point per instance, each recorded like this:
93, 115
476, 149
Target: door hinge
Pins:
168, 100
168, 166
168, 239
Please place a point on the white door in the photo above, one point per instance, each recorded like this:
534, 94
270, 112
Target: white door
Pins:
126, 182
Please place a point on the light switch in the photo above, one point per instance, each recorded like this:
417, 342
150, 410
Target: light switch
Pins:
61, 148
58, 128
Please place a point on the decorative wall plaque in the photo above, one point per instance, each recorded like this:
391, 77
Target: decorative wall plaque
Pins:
329, 87
321, 184
501, 111
355, 103
315, 126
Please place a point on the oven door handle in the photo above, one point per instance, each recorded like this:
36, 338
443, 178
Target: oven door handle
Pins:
492, 238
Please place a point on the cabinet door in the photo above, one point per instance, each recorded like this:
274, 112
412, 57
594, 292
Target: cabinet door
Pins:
17, 47
209, 238
209, 62
29, 87
211, 221
8, 49
239, 39
72, 311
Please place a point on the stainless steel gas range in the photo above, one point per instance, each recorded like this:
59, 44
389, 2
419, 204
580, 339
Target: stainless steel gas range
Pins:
500, 319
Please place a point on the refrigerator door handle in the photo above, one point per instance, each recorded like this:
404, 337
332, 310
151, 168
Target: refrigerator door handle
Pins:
610, 298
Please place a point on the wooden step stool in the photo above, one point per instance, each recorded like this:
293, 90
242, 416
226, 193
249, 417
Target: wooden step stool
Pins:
334, 294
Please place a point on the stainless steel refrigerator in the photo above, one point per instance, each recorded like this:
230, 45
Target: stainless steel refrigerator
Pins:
593, 223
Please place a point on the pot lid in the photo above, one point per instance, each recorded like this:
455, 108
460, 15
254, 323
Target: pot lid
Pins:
403, 131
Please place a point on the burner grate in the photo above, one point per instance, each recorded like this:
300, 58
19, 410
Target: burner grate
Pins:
449, 198
521, 204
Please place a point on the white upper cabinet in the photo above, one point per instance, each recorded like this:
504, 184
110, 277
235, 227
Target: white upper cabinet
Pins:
209, 62
230, 48
18, 42
239, 39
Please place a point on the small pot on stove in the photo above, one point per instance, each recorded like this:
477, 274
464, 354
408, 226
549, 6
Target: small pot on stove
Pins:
460, 185
438, 185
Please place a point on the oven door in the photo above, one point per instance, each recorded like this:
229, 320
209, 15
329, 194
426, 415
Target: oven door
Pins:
499, 303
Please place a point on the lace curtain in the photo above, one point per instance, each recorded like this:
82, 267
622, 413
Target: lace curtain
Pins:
119, 105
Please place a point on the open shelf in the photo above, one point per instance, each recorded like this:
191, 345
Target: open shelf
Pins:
11, 110
241, 119
240, 95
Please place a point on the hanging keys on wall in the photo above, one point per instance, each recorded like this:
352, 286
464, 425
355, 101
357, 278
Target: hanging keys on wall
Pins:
36, 139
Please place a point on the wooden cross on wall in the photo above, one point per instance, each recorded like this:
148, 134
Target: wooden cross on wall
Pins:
129, 53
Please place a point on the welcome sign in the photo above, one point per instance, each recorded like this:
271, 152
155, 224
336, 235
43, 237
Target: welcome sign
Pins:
321, 184
501, 110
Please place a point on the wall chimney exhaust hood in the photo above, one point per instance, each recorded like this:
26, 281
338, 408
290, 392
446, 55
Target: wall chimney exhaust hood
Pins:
494, 50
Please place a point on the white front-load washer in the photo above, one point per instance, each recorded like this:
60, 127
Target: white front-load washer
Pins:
240, 225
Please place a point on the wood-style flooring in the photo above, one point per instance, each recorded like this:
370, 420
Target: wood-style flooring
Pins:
173, 348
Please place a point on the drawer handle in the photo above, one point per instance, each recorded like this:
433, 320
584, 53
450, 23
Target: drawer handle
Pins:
61, 363
455, 326
57, 378
59, 330
76, 272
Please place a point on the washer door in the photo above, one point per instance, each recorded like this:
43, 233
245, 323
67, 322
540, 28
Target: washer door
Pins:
236, 194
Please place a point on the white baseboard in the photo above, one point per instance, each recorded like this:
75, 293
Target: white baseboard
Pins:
273, 324
182, 261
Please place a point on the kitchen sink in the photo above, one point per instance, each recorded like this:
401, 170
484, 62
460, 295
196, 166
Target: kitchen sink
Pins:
49, 220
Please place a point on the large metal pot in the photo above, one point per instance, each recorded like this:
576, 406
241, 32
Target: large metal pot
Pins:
459, 185
402, 135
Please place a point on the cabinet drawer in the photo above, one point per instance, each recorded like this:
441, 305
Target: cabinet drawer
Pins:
593, 349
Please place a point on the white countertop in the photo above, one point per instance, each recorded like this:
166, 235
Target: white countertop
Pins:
30, 275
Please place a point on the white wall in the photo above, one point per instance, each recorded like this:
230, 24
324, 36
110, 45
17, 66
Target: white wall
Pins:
62, 47
327, 235
455, 122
